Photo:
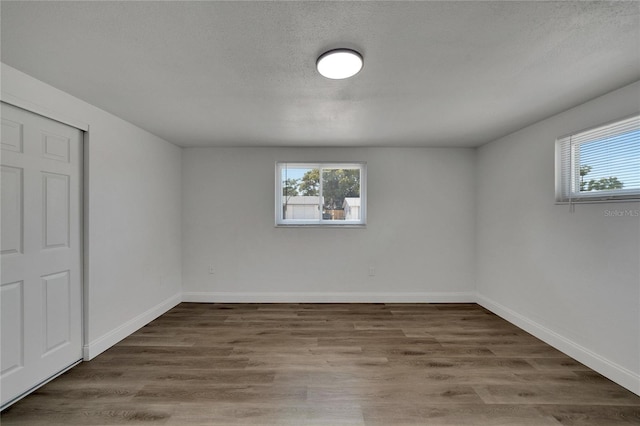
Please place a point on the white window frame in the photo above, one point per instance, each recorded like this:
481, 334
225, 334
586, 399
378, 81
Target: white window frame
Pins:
568, 165
281, 221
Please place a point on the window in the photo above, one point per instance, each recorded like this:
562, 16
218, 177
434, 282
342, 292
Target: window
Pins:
602, 163
327, 194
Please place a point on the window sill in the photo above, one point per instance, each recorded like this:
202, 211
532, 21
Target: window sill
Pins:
614, 200
315, 225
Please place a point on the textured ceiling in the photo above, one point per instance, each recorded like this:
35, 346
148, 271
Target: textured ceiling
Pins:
243, 73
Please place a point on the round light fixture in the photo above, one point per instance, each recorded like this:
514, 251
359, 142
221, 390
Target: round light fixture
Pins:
339, 63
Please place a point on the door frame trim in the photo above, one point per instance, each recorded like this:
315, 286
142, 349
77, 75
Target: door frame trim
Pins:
10, 99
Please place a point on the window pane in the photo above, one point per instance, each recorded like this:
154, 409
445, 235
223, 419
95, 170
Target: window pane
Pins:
610, 164
341, 194
300, 193
312, 194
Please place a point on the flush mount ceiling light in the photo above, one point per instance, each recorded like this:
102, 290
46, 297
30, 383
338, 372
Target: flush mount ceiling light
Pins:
339, 63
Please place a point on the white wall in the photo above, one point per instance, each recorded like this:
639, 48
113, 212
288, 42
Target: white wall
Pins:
422, 253
572, 279
132, 217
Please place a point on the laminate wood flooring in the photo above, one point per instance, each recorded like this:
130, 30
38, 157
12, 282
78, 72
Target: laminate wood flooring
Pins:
329, 364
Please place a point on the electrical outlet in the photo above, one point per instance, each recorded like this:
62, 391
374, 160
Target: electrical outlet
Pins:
372, 271
212, 269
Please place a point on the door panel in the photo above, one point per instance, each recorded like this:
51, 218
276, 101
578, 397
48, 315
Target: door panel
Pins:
56, 210
40, 250
12, 327
56, 320
11, 135
11, 242
55, 147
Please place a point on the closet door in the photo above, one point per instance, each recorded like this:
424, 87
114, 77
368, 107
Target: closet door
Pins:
40, 250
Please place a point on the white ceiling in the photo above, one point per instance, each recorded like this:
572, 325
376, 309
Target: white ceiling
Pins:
243, 73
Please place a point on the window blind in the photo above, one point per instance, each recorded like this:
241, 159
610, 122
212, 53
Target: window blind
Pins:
602, 163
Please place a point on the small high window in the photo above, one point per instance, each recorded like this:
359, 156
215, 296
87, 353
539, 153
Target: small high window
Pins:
602, 163
332, 194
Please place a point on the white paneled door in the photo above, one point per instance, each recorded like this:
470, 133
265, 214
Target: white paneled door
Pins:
41, 253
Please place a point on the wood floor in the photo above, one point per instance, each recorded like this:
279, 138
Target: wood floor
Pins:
329, 364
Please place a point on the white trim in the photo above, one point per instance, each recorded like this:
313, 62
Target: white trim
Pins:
101, 344
617, 373
342, 297
16, 101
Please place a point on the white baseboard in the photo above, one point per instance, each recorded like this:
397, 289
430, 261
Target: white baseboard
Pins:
346, 297
101, 344
607, 368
